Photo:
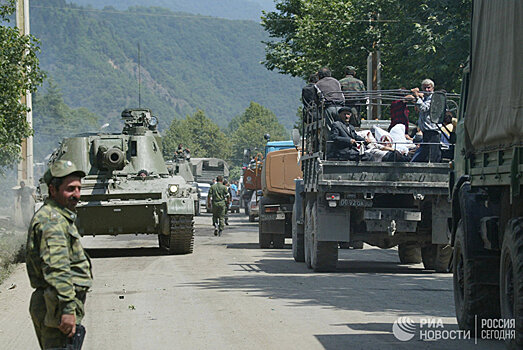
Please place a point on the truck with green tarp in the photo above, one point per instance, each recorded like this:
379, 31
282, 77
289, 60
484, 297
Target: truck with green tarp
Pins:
485, 182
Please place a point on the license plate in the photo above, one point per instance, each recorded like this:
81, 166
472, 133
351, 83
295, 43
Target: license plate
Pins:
349, 202
280, 216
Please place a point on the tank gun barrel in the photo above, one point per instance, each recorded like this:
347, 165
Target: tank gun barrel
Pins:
111, 159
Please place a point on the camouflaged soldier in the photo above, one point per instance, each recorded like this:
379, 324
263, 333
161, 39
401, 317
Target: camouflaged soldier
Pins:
218, 198
350, 82
57, 265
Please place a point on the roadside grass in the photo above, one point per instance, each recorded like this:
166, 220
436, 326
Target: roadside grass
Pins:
12, 250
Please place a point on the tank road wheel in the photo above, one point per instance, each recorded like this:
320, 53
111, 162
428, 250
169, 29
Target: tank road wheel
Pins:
324, 255
511, 279
181, 235
298, 241
409, 253
470, 297
436, 257
264, 237
308, 234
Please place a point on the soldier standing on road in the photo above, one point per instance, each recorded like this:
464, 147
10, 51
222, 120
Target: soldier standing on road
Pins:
226, 184
218, 198
26, 199
57, 265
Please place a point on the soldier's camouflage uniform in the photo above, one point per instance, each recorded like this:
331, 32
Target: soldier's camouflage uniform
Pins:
350, 83
219, 194
59, 270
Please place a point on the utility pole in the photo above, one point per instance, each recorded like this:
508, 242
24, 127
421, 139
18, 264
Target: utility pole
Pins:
25, 167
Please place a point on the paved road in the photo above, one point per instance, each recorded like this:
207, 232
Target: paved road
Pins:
229, 294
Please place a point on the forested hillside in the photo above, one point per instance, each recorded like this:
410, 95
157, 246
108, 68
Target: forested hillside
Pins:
187, 62
231, 9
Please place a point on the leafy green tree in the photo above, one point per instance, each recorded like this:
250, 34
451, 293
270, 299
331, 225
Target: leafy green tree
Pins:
199, 134
417, 39
54, 120
249, 128
19, 73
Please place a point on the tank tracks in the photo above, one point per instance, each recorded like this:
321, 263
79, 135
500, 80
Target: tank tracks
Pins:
181, 237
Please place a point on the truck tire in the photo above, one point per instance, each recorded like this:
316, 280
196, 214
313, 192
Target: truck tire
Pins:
436, 257
324, 255
298, 240
251, 218
196, 208
263, 237
511, 279
409, 253
470, 297
308, 234
278, 241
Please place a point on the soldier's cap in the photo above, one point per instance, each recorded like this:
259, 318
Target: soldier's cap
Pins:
62, 168
350, 68
345, 109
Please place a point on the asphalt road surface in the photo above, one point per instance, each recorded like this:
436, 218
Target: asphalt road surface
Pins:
229, 294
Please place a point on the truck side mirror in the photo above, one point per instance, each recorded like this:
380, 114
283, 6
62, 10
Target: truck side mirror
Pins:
296, 138
438, 106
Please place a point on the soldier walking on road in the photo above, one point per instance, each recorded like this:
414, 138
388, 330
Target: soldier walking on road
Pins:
57, 265
218, 198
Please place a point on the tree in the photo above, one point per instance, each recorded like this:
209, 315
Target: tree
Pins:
199, 134
417, 39
19, 73
249, 128
51, 111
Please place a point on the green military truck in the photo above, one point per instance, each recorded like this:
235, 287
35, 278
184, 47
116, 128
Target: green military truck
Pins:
205, 170
128, 189
485, 182
384, 204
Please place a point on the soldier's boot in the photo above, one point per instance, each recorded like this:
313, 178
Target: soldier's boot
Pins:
220, 233
227, 221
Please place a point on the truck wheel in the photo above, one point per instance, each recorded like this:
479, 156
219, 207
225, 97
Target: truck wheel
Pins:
298, 241
511, 279
357, 244
196, 208
251, 218
264, 237
436, 257
324, 255
278, 241
344, 245
470, 297
308, 234
409, 253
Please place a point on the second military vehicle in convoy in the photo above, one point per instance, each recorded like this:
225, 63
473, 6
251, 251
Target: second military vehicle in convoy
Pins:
128, 189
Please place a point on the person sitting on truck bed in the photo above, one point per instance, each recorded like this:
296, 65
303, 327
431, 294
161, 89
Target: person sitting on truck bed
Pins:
343, 138
386, 150
430, 148
329, 89
399, 113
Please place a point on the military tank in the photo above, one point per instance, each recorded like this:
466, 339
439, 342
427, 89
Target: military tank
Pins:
128, 189
181, 165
